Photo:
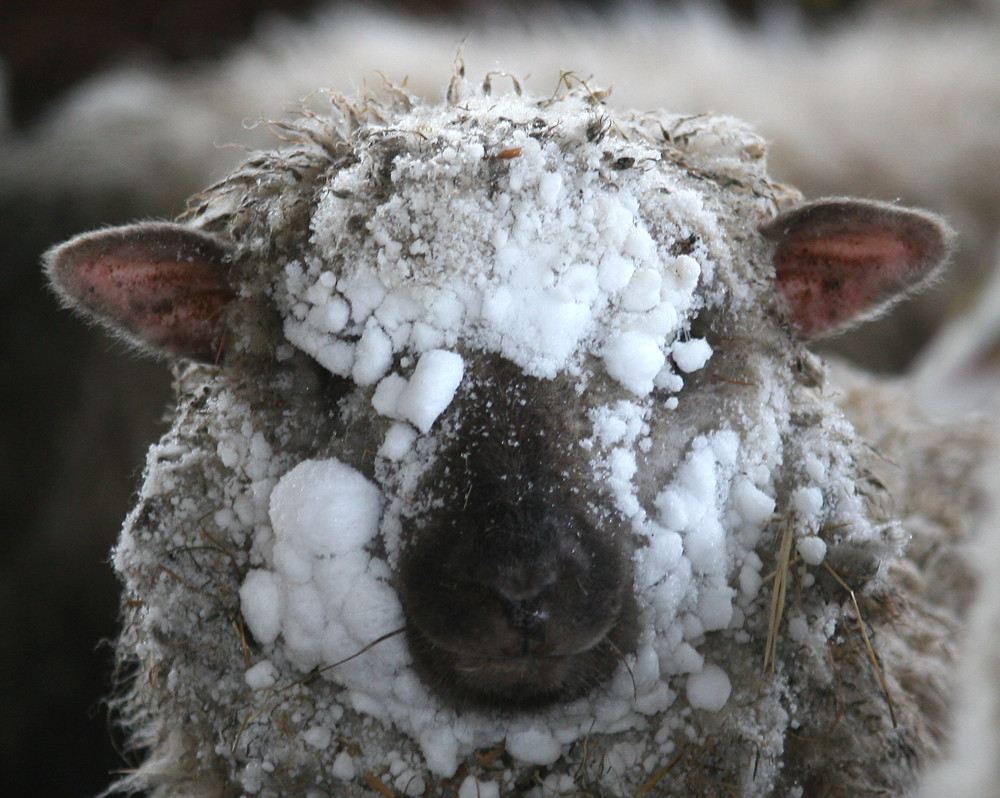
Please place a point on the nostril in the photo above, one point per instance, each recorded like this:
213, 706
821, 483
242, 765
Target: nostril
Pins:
524, 600
520, 629
529, 619
530, 616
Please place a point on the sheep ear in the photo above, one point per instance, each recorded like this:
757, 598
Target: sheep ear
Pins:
841, 261
161, 286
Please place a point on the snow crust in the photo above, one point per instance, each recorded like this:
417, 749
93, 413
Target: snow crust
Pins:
548, 268
325, 595
572, 259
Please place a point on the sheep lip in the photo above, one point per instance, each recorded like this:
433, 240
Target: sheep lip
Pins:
563, 643
512, 665
496, 668
527, 679
567, 649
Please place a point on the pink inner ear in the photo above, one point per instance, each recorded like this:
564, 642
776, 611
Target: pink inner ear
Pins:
162, 285
171, 305
829, 280
838, 261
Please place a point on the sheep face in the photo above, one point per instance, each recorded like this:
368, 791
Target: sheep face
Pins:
495, 420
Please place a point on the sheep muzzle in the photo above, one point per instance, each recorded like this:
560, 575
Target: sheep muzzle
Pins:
517, 586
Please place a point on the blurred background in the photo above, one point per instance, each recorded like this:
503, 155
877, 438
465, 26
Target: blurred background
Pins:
114, 110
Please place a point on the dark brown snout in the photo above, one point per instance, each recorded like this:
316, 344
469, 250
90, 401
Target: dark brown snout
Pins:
517, 585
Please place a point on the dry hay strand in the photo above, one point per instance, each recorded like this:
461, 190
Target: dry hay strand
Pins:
868, 643
778, 591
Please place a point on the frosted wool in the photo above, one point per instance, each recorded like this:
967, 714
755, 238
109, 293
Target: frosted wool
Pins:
261, 676
373, 356
323, 593
812, 550
421, 398
260, 599
753, 505
691, 355
451, 327
545, 271
808, 501
634, 359
474, 788
534, 745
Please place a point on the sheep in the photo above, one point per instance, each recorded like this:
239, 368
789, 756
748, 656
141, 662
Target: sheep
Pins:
501, 466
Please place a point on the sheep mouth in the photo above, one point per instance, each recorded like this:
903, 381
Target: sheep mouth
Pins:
520, 682
527, 668
473, 678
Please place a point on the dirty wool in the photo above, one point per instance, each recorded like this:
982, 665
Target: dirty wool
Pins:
501, 467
